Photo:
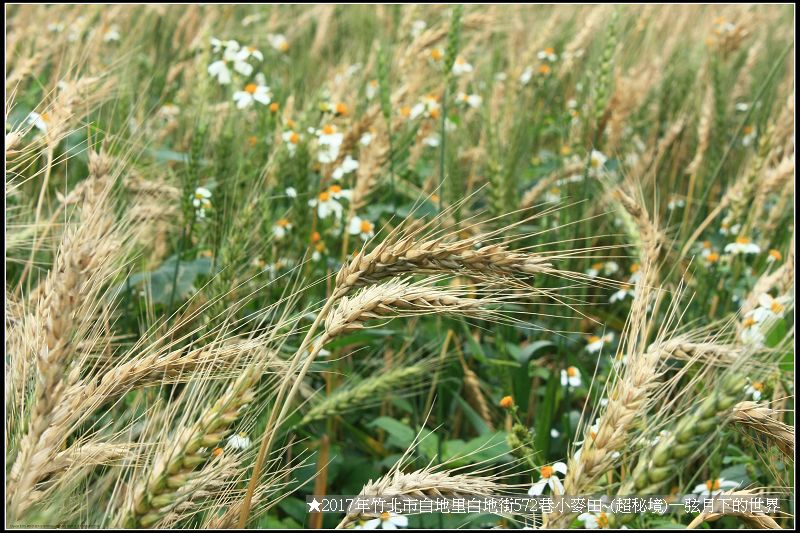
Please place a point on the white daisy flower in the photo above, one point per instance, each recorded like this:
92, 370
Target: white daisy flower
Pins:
38, 121
742, 245
201, 201
252, 93
554, 433
770, 308
571, 376
433, 140
362, 227
291, 192
526, 76
461, 66
749, 135
427, 107
548, 478
278, 42
472, 100
281, 228
326, 205
597, 160
346, 167
754, 390
240, 441
372, 89
231, 58
417, 27
548, 54
249, 51
774, 256
290, 139
596, 343
112, 34
366, 139
385, 521
610, 268
713, 487
742, 107
594, 270
624, 292
329, 142
594, 520
751, 333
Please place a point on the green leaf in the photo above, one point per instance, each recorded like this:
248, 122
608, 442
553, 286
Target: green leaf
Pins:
400, 434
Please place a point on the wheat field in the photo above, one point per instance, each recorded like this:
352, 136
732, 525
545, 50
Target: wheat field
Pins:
259, 254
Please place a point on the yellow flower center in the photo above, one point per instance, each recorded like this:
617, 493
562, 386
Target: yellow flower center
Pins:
597, 266
460, 60
252, 140
776, 307
757, 385
384, 516
506, 402
549, 51
547, 471
217, 452
706, 244
373, 84
747, 130
592, 434
436, 54
294, 138
748, 322
602, 521
282, 222
572, 371
250, 88
544, 69
405, 111
284, 46
341, 109
435, 113
324, 197
274, 107
742, 240
315, 236
335, 189
713, 484
328, 130
566, 150
593, 339
366, 226
634, 268
775, 254
713, 257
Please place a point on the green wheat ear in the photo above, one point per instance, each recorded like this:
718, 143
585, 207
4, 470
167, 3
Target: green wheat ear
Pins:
655, 470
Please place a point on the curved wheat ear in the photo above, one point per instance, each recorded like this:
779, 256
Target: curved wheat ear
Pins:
409, 256
424, 483
534, 193
753, 520
174, 468
366, 392
87, 256
390, 299
760, 418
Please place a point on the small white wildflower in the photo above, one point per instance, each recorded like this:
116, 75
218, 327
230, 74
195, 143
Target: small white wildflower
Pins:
742, 245
596, 343
460, 66
362, 227
281, 228
571, 377
252, 93
366, 139
278, 42
291, 192
548, 478
240, 441
112, 34
346, 167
